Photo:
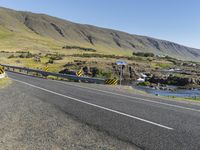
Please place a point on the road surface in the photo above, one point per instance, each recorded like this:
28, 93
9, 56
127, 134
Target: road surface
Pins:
148, 122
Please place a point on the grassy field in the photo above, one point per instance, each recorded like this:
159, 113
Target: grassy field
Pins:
61, 61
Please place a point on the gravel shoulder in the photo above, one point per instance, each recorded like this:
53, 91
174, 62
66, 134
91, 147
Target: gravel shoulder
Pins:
29, 123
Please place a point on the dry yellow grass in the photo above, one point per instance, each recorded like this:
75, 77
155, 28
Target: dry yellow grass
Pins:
5, 82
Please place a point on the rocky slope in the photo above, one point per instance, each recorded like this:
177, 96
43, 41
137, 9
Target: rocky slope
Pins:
29, 30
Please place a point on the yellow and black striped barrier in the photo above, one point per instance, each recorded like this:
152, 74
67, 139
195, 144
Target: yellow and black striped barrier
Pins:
111, 81
2, 70
80, 73
46, 68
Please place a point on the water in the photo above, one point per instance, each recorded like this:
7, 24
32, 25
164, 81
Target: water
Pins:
184, 93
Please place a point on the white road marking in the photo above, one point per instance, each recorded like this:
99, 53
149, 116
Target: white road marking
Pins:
132, 97
98, 106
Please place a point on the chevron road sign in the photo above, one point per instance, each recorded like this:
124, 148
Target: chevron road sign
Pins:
80, 73
46, 68
111, 81
1, 71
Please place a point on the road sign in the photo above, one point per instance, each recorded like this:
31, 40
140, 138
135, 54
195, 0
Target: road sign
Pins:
80, 73
2, 73
1, 70
46, 68
121, 63
111, 81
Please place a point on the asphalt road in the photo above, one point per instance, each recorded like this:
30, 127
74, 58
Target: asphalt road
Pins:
150, 123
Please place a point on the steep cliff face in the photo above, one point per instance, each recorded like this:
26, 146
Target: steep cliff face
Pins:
43, 26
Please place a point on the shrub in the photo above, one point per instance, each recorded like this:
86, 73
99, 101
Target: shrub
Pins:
146, 83
21, 52
79, 48
144, 54
50, 61
101, 73
97, 55
26, 55
55, 56
11, 56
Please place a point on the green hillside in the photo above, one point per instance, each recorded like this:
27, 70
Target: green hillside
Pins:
42, 33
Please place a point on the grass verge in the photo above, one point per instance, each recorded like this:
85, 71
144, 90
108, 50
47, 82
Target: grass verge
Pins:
5, 82
192, 99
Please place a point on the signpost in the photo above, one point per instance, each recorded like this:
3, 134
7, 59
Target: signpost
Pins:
2, 72
46, 68
121, 63
79, 73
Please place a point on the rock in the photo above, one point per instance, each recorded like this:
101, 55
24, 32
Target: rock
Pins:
174, 80
67, 71
86, 69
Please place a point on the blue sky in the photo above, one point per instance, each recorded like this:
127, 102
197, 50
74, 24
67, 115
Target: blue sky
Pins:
173, 20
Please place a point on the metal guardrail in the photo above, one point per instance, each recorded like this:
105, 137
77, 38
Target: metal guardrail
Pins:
44, 73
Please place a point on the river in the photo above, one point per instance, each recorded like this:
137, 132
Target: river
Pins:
184, 93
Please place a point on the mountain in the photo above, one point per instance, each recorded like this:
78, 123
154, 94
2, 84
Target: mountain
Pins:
40, 32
